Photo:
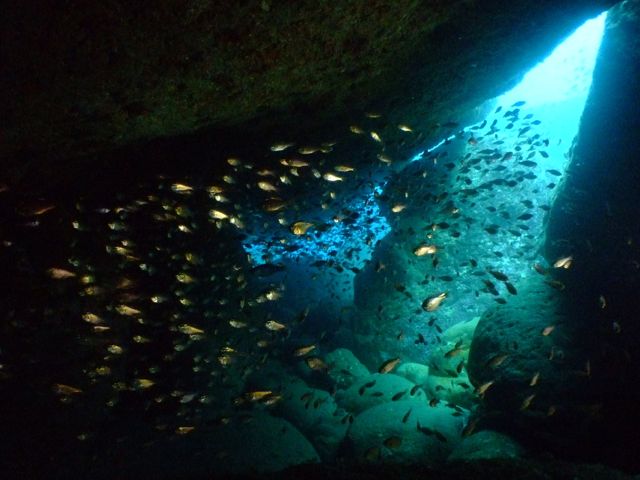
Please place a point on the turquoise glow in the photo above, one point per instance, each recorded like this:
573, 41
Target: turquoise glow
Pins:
556, 89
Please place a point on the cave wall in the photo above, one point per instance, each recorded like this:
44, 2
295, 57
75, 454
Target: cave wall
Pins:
595, 219
84, 79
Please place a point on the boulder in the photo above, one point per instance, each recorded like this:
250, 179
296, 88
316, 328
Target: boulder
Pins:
451, 390
376, 389
414, 372
345, 367
448, 360
407, 431
316, 414
462, 332
486, 444
311, 410
529, 347
266, 444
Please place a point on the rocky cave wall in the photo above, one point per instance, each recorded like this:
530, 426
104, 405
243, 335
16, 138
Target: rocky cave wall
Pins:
84, 80
590, 388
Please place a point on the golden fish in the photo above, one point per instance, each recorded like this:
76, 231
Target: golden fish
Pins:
103, 371
300, 228
534, 379
185, 278
60, 273
432, 303
316, 363
272, 295
218, 197
302, 351
217, 214
274, 204
274, 326
115, 349
405, 128
92, 318
389, 365
237, 222
527, 402
127, 310
425, 249
37, 210
143, 383
357, 130
190, 329
398, 207
343, 168
62, 389
184, 430
237, 324
375, 136
482, 389
308, 150
546, 331
294, 162
141, 339
497, 360
384, 158
281, 146
193, 258
564, 262
267, 187
181, 188
234, 162
330, 177
258, 395
271, 400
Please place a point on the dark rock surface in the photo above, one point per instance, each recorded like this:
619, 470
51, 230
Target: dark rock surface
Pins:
80, 79
515, 330
595, 220
596, 309
480, 469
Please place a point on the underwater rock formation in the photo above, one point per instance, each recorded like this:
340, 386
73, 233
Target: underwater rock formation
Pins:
100, 77
376, 389
512, 345
414, 372
345, 367
407, 431
595, 221
315, 413
456, 390
266, 443
262, 443
484, 445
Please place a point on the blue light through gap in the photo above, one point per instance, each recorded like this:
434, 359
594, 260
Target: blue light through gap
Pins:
555, 91
557, 88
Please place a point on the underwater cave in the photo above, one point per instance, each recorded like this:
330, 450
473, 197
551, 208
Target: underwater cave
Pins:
347, 240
